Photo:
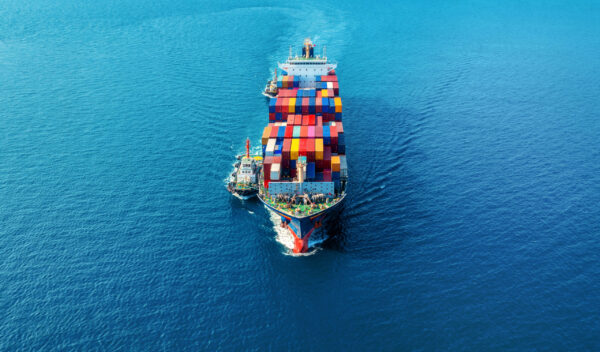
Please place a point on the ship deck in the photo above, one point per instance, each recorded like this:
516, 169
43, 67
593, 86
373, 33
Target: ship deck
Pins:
300, 210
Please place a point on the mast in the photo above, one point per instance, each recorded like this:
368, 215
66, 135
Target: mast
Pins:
247, 147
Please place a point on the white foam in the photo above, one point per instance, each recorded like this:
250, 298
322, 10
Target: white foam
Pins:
285, 238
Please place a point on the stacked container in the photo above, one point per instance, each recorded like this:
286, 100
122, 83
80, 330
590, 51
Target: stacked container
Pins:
305, 123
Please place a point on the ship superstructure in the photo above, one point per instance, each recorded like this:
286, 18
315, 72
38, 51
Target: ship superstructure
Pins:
304, 173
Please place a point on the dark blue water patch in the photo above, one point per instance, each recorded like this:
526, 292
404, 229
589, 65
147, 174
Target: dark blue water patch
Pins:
471, 221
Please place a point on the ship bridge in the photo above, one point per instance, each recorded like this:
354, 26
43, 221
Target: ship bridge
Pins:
307, 66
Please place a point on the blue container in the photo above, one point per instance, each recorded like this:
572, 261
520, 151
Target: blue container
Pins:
278, 148
310, 170
311, 105
319, 176
318, 79
280, 134
313, 93
325, 105
298, 106
292, 164
338, 116
337, 184
279, 116
326, 135
300, 93
296, 81
335, 175
272, 103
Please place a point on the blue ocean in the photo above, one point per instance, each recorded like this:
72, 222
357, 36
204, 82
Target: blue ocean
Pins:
472, 220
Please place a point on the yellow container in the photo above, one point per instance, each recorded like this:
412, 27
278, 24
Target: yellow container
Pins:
292, 105
324, 93
284, 82
265, 135
294, 149
335, 163
338, 104
319, 148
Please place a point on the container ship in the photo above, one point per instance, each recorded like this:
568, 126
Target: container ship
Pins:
305, 172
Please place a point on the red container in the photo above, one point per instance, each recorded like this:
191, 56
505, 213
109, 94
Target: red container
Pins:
336, 88
327, 175
267, 167
267, 183
289, 131
305, 105
277, 159
319, 104
310, 149
330, 92
285, 151
297, 120
293, 172
303, 132
319, 120
271, 116
274, 132
311, 120
339, 127
284, 116
319, 95
334, 135
279, 104
302, 150
327, 156
319, 131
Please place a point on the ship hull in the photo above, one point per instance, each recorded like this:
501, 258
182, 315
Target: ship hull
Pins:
302, 228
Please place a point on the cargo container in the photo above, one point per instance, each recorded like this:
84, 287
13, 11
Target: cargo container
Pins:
335, 163
338, 104
310, 149
289, 131
275, 171
270, 151
294, 149
266, 134
296, 133
341, 147
304, 132
343, 166
319, 149
326, 135
310, 170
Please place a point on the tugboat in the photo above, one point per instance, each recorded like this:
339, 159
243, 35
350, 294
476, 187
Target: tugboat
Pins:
271, 87
243, 182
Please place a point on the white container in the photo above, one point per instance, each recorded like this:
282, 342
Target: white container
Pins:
329, 85
270, 147
275, 171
